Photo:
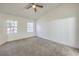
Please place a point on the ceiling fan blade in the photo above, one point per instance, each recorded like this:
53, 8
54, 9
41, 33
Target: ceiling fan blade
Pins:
39, 6
28, 7
33, 3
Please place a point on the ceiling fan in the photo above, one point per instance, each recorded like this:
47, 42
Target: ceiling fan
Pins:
34, 6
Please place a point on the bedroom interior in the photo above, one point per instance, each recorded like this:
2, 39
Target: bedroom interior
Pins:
39, 29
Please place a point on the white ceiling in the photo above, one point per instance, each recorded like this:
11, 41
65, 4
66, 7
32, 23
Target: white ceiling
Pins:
18, 9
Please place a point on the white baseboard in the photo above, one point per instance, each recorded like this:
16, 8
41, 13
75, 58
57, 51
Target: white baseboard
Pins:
16, 40
59, 43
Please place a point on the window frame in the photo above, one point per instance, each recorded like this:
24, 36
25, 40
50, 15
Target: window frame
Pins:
11, 27
30, 26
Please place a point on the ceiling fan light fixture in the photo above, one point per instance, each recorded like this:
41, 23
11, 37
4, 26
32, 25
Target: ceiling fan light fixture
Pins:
33, 6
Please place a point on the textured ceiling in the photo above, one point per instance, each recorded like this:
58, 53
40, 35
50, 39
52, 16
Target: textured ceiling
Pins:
18, 9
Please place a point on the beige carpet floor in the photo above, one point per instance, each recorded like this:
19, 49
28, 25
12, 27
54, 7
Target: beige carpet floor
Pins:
36, 47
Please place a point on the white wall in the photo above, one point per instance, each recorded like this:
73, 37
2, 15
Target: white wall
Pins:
22, 27
77, 41
60, 25
3, 36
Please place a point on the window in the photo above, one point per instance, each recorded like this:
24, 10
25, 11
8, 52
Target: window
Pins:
29, 27
11, 27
